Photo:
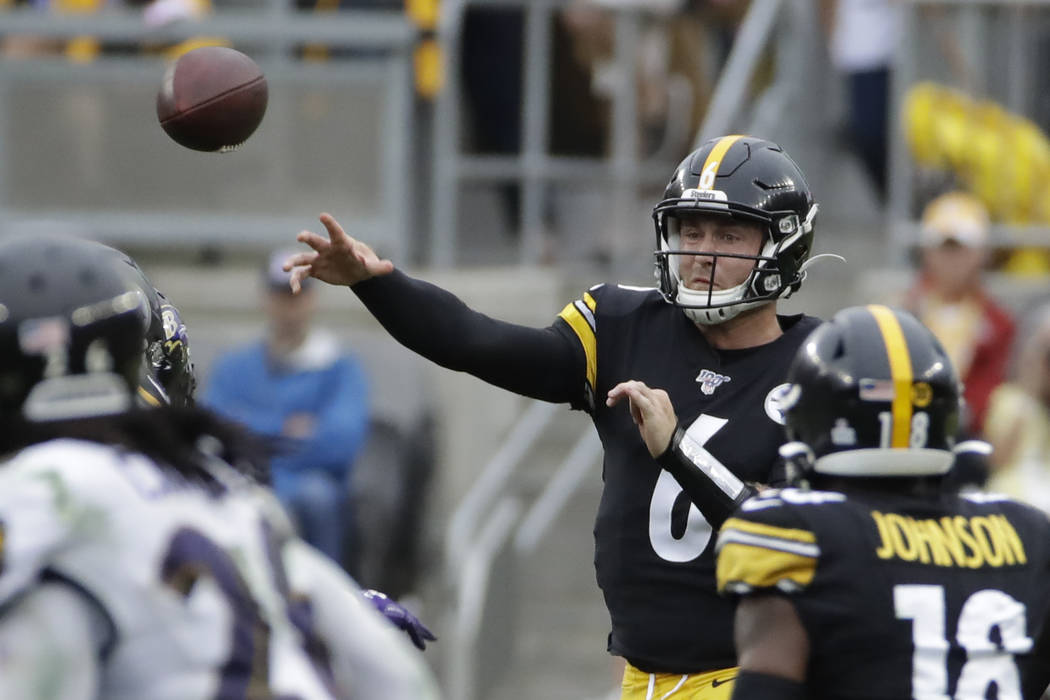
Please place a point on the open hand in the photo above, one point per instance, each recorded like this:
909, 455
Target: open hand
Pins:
338, 259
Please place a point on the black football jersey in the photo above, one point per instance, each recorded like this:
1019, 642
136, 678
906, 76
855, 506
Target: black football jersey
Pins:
902, 596
654, 552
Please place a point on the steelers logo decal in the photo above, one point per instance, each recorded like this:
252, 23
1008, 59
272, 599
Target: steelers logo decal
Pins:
921, 394
779, 399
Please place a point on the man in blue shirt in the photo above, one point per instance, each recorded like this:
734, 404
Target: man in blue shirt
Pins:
296, 385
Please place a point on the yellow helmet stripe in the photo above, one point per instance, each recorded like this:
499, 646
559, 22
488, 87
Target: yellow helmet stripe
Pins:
900, 371
714, 160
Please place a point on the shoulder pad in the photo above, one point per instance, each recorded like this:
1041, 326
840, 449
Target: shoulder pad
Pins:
766, 546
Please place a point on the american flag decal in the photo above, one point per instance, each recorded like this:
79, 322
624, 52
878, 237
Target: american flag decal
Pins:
39, 335
876, 390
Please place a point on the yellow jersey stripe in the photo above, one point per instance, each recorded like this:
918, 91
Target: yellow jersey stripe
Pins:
149, 398
900, 371
714, 160
589, 301
784, 533
742, 566
582, 327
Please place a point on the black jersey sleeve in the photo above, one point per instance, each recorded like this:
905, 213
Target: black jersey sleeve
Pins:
542, 363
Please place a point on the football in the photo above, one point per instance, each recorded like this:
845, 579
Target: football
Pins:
212, 99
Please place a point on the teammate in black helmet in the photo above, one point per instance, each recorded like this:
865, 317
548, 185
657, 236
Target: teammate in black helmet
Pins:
873, 580
733, 235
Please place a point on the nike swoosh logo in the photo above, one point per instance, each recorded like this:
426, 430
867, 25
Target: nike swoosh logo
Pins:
721, 681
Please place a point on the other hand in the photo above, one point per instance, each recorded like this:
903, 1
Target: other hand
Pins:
401, 617
651, 411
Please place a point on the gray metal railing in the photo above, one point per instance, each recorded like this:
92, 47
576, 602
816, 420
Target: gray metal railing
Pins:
488, 536
80, 149
567, 479
730, 94
534, 168
996, 41
492, 483
473, 589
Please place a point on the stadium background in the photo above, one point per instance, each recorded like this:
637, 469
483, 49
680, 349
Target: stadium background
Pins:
377, 133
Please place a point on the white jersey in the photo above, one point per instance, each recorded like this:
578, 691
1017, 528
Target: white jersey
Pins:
189, 585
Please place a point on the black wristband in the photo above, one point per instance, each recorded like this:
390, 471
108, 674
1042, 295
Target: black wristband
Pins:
711, 486
762, 686
667, 459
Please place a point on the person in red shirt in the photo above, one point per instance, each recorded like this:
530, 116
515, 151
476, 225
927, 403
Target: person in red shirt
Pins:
949, 297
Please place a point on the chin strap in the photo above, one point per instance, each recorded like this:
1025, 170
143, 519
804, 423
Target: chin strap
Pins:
809, 261
788, 290
979, 447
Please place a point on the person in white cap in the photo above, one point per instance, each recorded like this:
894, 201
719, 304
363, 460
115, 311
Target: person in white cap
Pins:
949, 297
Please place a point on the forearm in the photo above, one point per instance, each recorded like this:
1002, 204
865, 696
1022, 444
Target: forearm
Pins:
369, 655
535, 362
709, 485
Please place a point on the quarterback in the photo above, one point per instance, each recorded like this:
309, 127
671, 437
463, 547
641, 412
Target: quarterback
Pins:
733, 235
134, 561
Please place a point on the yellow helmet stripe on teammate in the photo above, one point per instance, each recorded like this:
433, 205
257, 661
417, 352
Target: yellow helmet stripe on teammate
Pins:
900, 372
714, 160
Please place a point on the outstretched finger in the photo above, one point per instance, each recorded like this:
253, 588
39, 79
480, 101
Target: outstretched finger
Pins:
620, 391
335, 232
299, 259
318, 243
298, 275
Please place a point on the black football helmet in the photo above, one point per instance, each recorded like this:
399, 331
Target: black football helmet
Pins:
746, 178
873, 393
71, 330
168, 375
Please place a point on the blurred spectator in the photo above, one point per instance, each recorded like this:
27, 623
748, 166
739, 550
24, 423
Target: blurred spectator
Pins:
319, 52
297, 385
85, 48
492, 72
675, 76
949, 297
683, 45
862, 37
1018, 421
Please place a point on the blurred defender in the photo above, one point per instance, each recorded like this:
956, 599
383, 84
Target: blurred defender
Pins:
133, 562
733, 235
878, 582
